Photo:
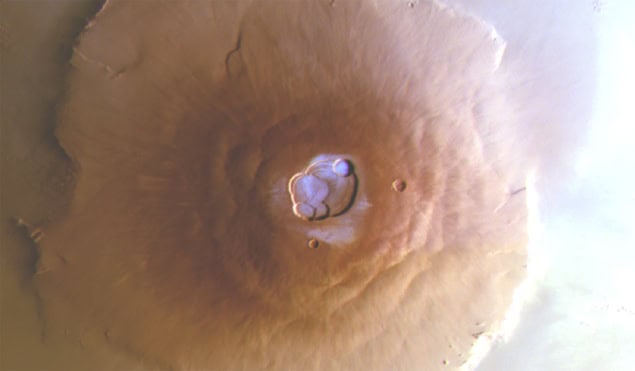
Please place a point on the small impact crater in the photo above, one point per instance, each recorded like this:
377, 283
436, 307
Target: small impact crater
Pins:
399, 185
313, 243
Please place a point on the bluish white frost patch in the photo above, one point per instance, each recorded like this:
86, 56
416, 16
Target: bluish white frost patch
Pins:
325, 194
326, 188
345, 230
342, 167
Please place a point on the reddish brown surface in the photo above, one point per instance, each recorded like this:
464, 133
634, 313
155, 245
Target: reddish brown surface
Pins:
185, 121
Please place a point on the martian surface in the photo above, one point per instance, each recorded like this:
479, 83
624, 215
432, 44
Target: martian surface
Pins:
281, 185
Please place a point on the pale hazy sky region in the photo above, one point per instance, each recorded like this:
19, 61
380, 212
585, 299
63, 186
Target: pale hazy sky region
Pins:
582, 316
